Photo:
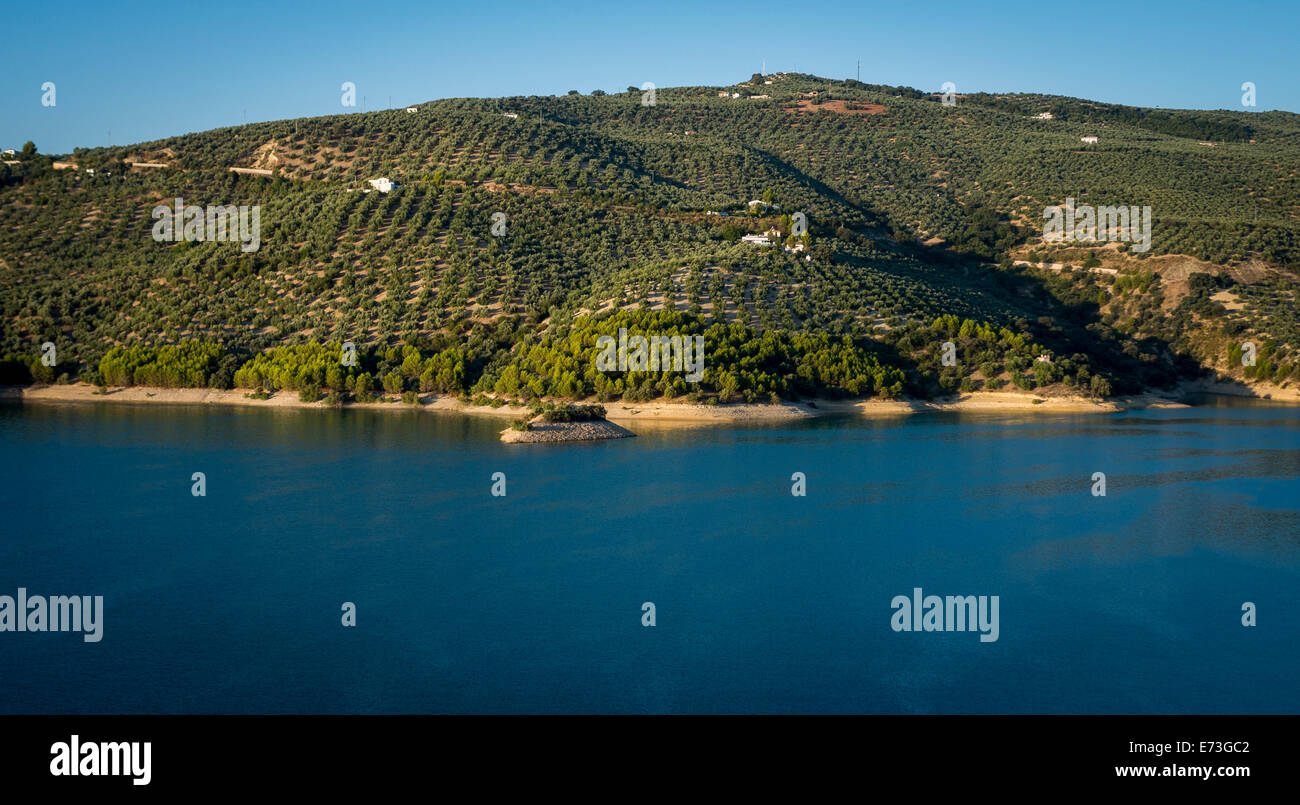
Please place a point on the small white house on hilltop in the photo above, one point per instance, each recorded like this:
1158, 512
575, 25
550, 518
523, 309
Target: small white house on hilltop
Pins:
383, 185
410, 110
1043, 116
1091, 138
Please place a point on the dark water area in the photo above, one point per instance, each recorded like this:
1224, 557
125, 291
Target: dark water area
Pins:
764, 601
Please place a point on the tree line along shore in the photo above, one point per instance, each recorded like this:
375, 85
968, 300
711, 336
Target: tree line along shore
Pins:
509, 362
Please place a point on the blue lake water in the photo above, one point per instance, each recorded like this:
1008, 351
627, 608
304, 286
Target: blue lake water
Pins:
765, 602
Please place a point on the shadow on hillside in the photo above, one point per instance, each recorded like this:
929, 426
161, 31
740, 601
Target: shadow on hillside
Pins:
1066, 328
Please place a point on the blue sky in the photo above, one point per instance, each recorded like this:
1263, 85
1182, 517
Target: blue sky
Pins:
149, 70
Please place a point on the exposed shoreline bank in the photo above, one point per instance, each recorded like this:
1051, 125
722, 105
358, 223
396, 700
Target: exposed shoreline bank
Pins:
670, 414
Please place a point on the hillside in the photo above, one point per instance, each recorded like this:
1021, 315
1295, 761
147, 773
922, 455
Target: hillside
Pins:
924, 225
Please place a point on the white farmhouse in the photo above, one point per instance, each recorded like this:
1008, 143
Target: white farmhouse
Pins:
410, 110
1091, 138
383, 185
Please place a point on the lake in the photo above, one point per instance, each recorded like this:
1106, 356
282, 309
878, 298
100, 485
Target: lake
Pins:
764, 601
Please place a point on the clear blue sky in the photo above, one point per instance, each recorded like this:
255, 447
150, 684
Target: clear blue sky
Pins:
149, 70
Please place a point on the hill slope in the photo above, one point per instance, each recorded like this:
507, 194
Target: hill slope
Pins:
918, 215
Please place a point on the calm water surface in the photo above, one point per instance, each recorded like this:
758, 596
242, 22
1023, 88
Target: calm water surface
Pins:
230, 603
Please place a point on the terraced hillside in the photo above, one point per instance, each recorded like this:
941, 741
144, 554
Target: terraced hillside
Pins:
517, 222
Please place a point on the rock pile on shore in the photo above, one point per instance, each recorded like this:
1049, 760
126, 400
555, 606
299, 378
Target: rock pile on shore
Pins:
540, 431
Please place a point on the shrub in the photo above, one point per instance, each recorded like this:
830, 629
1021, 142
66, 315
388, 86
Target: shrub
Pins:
572, 413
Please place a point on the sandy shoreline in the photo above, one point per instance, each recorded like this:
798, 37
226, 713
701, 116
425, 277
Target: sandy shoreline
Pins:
668, 414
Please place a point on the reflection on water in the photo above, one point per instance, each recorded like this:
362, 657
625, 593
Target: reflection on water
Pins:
767, 602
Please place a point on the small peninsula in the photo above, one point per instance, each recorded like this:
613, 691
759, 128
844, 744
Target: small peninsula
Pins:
563, 423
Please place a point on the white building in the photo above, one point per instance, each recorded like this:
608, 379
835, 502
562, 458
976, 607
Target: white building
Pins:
1091, 138
757, 240
410, 110
382, 184
1043, 116
511, 115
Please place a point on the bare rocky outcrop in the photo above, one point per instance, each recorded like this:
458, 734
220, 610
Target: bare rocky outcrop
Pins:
540, 431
